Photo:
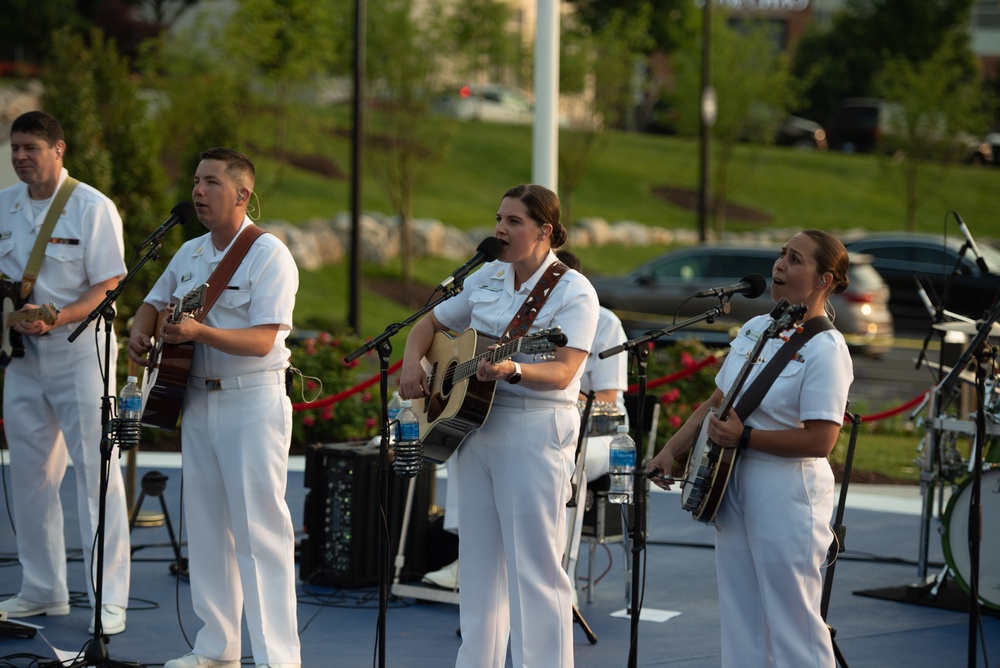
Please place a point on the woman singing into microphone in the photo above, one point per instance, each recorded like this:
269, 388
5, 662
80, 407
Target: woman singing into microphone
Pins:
774, 520
515, 470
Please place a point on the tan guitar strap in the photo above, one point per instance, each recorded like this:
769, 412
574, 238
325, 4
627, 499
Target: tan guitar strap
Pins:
522, 320
38, 250
219, 279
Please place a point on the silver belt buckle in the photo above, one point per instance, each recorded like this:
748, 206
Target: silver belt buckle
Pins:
213, 384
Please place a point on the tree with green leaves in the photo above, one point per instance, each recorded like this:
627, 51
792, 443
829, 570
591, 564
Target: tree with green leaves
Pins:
936, 105
284, 45
754, 87
112, 143
404, 139
479, 38
842, 61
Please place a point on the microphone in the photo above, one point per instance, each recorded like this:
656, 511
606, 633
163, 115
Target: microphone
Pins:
751, 286
971, 242
488, 250
181, 214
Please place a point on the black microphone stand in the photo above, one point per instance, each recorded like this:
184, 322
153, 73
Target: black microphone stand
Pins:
640, 351
96, 652
983, 355
382, 344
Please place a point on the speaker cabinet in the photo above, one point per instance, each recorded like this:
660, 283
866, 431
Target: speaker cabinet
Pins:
344, 524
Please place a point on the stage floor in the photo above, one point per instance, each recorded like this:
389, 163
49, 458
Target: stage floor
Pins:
339, 627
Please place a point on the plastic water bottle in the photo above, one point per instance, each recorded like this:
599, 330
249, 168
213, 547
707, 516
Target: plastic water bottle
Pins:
394, 406
130, 415
409, 450
621, 466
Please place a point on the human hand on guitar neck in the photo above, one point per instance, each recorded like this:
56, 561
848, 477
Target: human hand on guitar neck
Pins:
33, 319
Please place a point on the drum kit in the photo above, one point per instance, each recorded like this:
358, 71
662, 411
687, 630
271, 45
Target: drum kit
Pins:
944, 463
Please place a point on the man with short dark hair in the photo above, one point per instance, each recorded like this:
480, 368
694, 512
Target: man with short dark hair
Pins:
52, 395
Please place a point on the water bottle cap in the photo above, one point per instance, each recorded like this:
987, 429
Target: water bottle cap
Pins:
133, 379
407, 403
622, 429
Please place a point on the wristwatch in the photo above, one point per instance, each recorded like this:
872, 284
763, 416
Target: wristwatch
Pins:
515, 377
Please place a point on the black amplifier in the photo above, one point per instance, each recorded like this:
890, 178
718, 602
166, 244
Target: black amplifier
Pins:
343, 522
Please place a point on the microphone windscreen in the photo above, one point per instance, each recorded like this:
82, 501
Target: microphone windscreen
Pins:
758, 284
490, 247
185, 211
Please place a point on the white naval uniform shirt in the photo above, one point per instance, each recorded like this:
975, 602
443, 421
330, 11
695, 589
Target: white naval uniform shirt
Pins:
260, 292
85, 247
488, 304
813, 385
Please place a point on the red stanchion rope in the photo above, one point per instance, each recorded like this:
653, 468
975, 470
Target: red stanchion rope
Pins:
874, 417
340, 396
678, 375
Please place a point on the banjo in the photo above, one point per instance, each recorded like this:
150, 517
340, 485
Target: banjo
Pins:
710, 466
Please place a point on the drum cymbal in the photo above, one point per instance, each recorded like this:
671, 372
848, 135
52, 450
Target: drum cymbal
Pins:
970, 328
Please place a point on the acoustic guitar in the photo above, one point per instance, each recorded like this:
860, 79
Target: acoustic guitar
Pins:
166, 380
458, 401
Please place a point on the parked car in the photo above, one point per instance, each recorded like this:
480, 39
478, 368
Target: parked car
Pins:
661, 292
493, 103
865, 124
766, 122
899, 258
801, 133
858, 125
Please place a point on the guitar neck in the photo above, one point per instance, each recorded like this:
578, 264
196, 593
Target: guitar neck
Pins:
502, 352
15, 317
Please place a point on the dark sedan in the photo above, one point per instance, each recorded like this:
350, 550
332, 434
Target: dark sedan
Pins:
650, 296
957, 281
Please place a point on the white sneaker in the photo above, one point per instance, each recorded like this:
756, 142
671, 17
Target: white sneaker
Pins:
16, 607
198, 661
112, 619
446, 578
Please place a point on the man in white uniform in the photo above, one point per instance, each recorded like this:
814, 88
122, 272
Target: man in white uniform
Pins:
236, 425
52, 395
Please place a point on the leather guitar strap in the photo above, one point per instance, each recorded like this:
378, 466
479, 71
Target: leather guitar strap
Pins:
38, 250
219, 279
533, 304
751, 399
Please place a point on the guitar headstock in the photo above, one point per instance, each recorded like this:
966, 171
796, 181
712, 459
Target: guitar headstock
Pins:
190, 304
542, 341
784, 316
48, 313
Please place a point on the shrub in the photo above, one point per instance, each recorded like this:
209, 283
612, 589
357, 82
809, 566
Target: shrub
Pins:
320, 359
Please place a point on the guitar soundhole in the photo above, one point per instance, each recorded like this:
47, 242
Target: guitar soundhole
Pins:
448, 380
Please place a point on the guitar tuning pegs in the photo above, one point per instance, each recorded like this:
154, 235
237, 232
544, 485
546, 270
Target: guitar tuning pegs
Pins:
798, 329
784, 338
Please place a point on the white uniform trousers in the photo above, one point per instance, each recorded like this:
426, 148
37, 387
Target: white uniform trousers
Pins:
515, 482
52, 400
774, 534
241, 543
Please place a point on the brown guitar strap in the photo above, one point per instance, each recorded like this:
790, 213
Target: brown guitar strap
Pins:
38, 250
533, 304
219, 279
751, 399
